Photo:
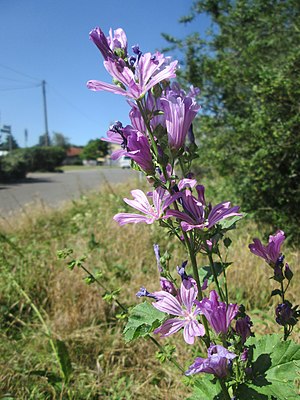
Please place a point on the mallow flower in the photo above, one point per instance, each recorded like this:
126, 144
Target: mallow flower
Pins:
271, 252
218, 362
218, 314
185, 311
179, 113
133, 81
161, 201
133, 144
197, 214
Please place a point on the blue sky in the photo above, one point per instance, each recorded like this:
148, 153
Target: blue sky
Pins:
48, 40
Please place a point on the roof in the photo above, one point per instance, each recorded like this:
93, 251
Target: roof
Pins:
74, 151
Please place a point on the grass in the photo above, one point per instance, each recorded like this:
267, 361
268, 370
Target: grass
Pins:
60, 340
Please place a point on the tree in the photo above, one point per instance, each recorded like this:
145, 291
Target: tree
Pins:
249, 72
60, 140
44, 140
9, 143
94, 149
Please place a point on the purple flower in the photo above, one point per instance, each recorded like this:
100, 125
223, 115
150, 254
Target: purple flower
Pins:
271, 252
197, 214
217, 363
284, 314
179, 112
100, 40
118, 40
182, 306
167, 286
218, 314
132, 80
161, 201
133, 144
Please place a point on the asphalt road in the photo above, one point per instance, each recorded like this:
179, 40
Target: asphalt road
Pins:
53, 189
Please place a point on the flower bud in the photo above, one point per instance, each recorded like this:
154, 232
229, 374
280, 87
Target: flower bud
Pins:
288, 272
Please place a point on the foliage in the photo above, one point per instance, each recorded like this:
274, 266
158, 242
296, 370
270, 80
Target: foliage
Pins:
94, 149
143, 319
10, 143
60, 140
44, 158
248, 71
13, 166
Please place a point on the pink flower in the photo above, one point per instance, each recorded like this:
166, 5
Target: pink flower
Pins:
271, 252
182, 306
218, 314
133, 81
161, 201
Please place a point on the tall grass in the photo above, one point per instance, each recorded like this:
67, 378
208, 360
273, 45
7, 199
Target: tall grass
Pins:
43, 303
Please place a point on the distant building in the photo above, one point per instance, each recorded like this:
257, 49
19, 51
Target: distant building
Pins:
73, 156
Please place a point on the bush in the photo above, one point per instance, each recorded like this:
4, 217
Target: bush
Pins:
44, 158
13, 166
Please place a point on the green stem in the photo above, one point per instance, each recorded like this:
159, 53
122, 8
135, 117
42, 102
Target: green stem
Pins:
171, 359
45, 326
153, 143
224, 390
286, 330
102, 286
212, 266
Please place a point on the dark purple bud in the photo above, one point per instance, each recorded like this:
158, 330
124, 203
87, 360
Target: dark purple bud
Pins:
244, 355
284, 313
280, 259
288, 272
278, 275
181, 270
132, 60
168, 286
243, 327
191, 136
136, 49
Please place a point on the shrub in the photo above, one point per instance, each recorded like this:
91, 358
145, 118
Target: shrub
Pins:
13, 166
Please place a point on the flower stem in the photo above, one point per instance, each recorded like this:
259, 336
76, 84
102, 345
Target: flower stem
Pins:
102, 286
171, 359
212, 266
224, 390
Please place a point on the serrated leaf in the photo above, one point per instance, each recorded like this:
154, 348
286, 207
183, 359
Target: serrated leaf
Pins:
207, 388
275, 368
143, 319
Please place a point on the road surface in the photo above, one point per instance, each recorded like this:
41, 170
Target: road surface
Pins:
53, 189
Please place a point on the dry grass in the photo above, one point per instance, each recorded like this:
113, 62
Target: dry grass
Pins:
104, 366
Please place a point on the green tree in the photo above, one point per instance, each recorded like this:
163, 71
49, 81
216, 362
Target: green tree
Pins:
248, 69
60, 140
10, 143
94, 149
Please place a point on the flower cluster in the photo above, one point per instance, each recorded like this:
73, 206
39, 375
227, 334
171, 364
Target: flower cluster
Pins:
287, 315
160, 142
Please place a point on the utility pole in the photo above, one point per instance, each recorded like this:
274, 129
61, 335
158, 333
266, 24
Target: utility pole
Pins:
26, 137
45, 113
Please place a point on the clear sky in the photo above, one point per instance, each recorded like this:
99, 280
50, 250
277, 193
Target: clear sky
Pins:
49, 40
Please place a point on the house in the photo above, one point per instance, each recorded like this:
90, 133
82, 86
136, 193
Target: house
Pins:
73, 156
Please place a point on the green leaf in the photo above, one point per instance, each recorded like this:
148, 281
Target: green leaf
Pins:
207, 388
64, 359
206, 272
275, 368
143, 319
229, 223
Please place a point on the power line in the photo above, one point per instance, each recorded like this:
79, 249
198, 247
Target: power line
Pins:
19, 88
19, 72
